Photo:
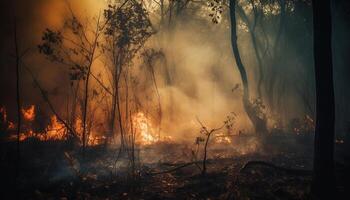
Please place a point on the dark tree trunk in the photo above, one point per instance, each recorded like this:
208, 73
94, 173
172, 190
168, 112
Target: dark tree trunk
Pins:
92, 52
251, 29
323, 178
86, 99
258, 123
18, 101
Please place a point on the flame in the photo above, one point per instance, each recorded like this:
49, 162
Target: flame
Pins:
3, 118
93, 138
3, 114
144, 130
11, 126
223, 139
55, 130
29, 114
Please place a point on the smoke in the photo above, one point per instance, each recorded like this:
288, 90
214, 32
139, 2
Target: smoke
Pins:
203, 74
198, 77
199, 62
32, 18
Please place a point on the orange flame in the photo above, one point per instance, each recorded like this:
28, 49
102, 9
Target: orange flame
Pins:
11, 126
144, 130
3, 114
223, 139
55, 130
29, 114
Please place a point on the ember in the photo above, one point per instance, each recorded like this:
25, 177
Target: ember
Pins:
55, 130
144, 131
29, 113
223, 139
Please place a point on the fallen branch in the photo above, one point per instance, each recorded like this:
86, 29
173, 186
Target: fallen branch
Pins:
174, 169
298, 172
74, 165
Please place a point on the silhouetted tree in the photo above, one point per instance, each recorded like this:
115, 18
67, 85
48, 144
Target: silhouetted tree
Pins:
323, 177
18, 99
127, 29
253, 110
75, 48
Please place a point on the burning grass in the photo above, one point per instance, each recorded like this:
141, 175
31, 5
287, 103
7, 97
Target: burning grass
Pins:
163, 168
95, 177
57, 131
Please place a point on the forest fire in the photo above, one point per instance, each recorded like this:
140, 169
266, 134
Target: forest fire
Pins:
223, 139
29, 113
54, 131
144, 130
174, 99
4, 120
3, 114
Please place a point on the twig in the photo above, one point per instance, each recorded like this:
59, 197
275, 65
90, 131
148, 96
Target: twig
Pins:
46, 98
174, 169
299, 172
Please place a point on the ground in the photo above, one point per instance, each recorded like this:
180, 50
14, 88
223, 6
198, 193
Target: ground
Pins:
47, 173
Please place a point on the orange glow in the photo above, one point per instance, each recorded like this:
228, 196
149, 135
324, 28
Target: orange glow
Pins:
29, 114
144, 130
145, 134
223, 139
55, 130
3, 113
11, 126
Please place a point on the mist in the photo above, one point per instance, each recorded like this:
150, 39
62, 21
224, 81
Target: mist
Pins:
128, 90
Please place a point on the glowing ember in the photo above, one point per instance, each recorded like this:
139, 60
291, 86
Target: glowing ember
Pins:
223, 139
55, 130
11, 126
78, 126
3, 119
144, 130
339, 141
3, 114
29, 114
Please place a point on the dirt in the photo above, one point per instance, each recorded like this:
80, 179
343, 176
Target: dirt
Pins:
46, 173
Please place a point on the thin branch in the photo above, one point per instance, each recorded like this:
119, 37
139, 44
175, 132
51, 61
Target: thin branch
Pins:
46, 98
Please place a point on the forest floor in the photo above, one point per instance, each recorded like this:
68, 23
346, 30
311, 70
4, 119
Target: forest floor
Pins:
48, 172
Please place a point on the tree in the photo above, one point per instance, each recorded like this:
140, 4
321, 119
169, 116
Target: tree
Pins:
252, 109
18, 99
127, 29
323, 176
75, 48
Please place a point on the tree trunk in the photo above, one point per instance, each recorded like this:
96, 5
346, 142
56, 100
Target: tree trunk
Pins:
18, 102
90, 62
204, 163
251, 29
323, 177
258, 123
85, 109
112, 119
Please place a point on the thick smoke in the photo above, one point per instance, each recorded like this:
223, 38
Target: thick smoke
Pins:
204, 81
